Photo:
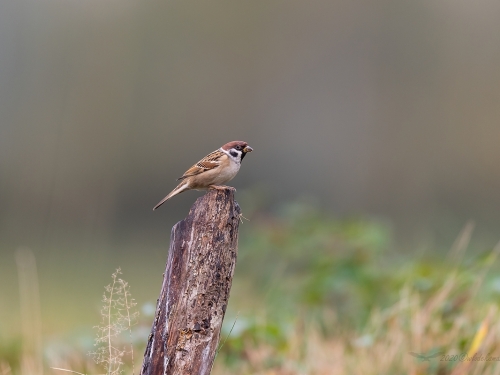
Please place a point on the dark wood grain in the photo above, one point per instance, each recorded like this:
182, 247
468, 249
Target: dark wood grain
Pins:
195, 291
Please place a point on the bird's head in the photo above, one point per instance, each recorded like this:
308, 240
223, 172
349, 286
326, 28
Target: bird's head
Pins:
237, 149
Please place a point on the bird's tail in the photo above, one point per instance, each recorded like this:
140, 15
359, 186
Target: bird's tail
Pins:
184, 185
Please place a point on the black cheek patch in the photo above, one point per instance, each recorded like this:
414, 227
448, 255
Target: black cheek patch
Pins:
233, 153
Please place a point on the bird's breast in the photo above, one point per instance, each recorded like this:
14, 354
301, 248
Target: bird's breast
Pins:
227, 171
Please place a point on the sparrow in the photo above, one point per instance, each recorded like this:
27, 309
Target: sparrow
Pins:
218, 167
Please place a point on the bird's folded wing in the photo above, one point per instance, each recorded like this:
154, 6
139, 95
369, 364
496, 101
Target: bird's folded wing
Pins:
209, 162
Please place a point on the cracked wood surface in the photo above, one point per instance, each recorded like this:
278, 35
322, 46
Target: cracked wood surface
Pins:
195, 291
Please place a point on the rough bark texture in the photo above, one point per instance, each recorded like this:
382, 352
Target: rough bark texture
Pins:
195, 290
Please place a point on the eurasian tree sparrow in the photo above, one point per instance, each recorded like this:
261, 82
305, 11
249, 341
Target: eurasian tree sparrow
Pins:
215, 169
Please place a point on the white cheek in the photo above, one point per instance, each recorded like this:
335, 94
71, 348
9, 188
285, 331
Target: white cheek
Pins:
236, 155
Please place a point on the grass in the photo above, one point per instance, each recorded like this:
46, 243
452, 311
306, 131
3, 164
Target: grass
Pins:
447, 321
340, 302
319, 295
118, 316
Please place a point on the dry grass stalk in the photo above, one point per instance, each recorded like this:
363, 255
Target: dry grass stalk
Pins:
29, 295
117, 317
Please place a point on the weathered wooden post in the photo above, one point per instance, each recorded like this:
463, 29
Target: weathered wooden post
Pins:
195, 291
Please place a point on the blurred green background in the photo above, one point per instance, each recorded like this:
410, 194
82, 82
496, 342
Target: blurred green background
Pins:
379, 115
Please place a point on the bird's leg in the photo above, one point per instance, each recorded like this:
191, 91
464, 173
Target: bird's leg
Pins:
218, 187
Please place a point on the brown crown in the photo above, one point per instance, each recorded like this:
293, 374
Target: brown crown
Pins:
233, 144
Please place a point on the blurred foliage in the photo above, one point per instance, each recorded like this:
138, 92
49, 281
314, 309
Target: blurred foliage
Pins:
313, 272
304, 258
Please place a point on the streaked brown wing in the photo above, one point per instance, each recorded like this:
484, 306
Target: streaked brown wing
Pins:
209, 162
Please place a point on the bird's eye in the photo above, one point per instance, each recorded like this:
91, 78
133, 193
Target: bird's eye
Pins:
238, 147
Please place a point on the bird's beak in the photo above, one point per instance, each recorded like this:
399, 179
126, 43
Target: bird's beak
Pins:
248, 149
